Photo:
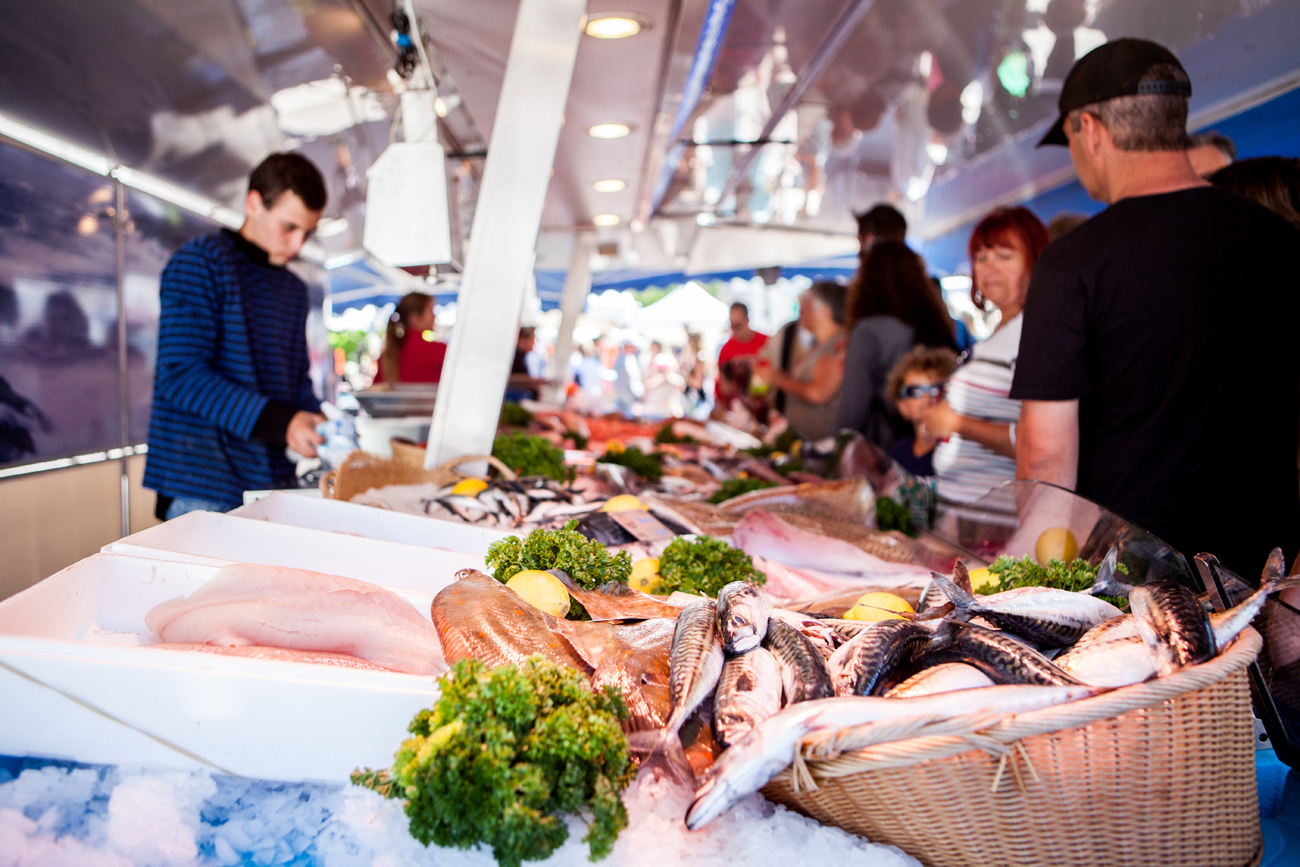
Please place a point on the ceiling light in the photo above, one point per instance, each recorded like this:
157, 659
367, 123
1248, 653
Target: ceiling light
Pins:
605, 220
619, 25
611, 185
609, 130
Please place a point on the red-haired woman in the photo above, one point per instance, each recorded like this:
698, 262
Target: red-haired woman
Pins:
976, 418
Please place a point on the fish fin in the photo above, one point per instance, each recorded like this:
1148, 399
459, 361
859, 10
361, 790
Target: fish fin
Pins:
957, 595
1106, 583
1274, 567
664, 754
961, 577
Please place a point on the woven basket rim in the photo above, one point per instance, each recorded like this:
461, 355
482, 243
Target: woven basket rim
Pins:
916, 740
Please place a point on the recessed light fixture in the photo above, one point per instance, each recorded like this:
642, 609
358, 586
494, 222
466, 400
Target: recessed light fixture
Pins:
610, 185
616, 25
609, 130
605, 220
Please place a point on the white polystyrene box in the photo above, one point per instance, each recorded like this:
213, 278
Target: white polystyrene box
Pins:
342, 517
76, 684
215, 539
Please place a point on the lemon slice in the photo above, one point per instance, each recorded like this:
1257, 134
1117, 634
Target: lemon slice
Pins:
1056, 543
542, 590
622, 503
469, 487
982, 578
614, 447
645, 575
878, 606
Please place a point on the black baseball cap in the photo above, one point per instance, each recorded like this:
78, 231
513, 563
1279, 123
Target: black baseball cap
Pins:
1109, 71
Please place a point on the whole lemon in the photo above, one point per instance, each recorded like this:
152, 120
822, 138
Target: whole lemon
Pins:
981, 578
622, 503
542, 590
645, 575
469, 487
1056, 543
876, 606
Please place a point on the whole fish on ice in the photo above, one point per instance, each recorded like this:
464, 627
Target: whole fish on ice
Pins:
1055, 618
1002, 658
748, 692
804, 675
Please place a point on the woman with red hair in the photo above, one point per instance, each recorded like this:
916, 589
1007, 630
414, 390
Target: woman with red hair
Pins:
976, 419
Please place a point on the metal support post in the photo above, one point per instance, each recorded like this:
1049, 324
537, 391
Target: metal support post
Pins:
516, 175
577, 285
123, 359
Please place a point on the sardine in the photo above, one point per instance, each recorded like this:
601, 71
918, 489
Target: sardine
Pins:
1002, 658
1226, 625
1114, 629
769, 748
948, 677
804, 675
1174, 626
1055, 618
749, 691
878, 658
743, 611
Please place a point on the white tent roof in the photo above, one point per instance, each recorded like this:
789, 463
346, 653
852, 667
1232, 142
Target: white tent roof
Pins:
687, 304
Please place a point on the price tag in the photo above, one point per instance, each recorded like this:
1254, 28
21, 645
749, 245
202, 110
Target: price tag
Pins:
643, 526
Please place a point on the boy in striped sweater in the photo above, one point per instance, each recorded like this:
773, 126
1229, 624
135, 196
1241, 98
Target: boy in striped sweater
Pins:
231, 388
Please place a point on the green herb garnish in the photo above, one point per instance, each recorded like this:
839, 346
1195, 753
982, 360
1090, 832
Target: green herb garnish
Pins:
666, 435
584, 560
647, 466
737, 486
503, 753
514, 415
1078, 575
532, 456
704, 566
893, 515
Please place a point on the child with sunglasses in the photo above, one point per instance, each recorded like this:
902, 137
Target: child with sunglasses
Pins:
915, 384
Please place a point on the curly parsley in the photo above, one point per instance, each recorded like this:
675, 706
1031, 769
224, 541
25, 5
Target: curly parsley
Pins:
532, 456
584, 560
1077, 575
704, 566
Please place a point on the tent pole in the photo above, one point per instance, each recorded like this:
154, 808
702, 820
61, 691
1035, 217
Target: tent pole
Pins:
507, 216
577, 285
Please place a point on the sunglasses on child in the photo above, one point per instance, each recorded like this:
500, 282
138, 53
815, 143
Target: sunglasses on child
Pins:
910, 391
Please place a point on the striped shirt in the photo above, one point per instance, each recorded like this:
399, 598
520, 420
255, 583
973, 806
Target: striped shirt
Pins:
979, 389
231, 342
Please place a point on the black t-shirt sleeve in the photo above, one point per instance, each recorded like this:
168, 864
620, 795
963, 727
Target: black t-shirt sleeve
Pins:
1052, 364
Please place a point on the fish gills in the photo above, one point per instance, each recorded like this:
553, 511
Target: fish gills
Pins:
743, 612
879, 658
1173, 625
749, 692
803, 670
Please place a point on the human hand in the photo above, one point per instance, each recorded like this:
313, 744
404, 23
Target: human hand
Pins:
301, 435
939, 422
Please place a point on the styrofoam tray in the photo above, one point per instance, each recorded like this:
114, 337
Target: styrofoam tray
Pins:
214, 539
76, 684
342, 517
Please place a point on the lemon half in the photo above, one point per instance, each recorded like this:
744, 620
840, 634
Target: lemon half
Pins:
542, 590
469, 487
876, 606
1056, 543
981, 578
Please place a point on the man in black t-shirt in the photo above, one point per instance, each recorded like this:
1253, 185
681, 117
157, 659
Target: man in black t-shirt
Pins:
1156, 368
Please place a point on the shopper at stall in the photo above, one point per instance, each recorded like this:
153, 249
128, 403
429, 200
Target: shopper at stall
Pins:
231, 388
881, 223
915, 384
521, 384
1274, 182
975, 420
736, 358
892, 306
407, 355
1210, 151
812, 386
1158, 334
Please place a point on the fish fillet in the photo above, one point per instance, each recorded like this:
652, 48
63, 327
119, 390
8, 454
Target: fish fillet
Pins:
765, 535
272, 606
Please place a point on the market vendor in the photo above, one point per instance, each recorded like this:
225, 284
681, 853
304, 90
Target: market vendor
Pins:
812, 385
736, 358
231, 388
1156, 366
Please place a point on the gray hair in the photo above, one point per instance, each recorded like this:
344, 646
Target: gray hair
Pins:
1146, 122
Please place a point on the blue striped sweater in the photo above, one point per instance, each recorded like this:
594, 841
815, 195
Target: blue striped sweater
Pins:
231, 343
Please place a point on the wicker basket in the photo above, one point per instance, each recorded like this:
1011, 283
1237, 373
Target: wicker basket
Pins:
361, 471
407, 452
1152, 774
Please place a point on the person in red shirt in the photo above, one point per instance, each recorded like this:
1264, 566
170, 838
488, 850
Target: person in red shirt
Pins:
407, 355
737, 356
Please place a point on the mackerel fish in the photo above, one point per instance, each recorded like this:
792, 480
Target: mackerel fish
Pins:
804, 675
743, 612
1173, 625
1053, 618
878, 658
748, 692
694, 661
947, 677
1004, 659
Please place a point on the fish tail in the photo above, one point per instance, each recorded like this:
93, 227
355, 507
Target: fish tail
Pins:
662, 751
961, 577
957, 595
1106, 584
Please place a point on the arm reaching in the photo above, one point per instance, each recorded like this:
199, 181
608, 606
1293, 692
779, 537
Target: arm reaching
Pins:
1047, 442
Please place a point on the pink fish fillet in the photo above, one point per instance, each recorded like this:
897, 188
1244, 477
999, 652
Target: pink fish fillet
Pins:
279, 654
271, 606
786, 583
762, 534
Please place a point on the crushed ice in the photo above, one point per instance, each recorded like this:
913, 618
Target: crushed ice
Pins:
121, 817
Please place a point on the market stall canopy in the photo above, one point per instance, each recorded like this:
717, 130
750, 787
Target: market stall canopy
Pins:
688, 304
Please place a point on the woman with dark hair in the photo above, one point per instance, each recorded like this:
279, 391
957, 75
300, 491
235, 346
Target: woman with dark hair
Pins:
1274, 182
975, 420
407, 355
812, 386
892, 306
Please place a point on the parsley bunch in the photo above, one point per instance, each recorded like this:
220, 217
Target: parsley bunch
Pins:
504, 752
1077, 576
704, 566
737, 486
584, 560
532, 456
647, 466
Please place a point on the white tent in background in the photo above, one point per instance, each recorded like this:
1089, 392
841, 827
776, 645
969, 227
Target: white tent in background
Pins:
619, 308
688, 304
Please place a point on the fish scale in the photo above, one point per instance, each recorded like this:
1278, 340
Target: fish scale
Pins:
1173, 625
879, 658
695, 660
1003, 659
803, 670
749, 691
1054, 618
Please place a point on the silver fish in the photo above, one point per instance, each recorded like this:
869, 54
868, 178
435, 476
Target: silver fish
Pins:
1226, 625
763, 753
743, 611
1055, 618
878, 658
1002, 658
804, 674
749, 692
948, 677
1118, 662
694, 661
1174, 626
821, 633
1114, 629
